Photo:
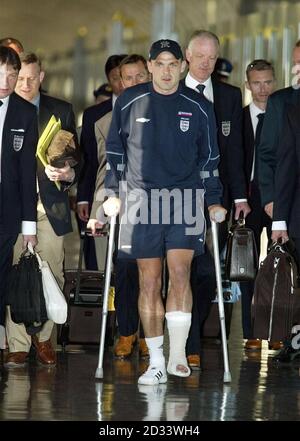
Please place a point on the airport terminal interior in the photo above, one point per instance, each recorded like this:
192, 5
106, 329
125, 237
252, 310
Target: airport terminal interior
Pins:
74, 39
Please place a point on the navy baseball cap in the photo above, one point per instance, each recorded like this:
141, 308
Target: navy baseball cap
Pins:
223, 67
165, 46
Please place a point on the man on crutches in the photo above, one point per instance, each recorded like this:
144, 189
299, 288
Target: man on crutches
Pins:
161, 137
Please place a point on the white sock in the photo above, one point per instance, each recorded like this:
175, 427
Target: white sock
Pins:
178, 326
155, 345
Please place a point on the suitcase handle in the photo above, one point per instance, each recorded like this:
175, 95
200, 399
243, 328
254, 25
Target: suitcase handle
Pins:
83, 233
99, 232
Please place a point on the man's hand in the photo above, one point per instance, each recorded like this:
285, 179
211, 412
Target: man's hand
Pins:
83, 211
280, 234
93, 224
269, 209
65, 173
29, 238
217, 213
112, 206
241, 206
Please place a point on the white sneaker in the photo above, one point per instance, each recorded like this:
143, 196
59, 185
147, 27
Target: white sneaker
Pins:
153, 375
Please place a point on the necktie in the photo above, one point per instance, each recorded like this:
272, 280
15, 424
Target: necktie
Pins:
1, 102
201, 88
260, 117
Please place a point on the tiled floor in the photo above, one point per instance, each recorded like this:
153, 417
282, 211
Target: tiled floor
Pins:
260, 389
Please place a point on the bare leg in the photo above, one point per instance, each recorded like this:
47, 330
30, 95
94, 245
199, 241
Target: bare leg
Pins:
152, 316
179, 306
180, 292
151, 308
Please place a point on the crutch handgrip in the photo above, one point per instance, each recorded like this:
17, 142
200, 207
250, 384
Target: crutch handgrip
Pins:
219, 216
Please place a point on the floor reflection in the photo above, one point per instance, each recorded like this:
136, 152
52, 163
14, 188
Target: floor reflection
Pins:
28, 394
260, 389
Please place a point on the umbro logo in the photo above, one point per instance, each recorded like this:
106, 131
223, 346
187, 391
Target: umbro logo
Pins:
142, 120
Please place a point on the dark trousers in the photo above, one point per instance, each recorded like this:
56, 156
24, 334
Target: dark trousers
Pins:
297, 245
203, 283
126, 296
89, 249
6, 256
257, 219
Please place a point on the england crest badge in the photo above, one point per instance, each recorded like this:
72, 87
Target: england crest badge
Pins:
226, 128
184, 124
18, 142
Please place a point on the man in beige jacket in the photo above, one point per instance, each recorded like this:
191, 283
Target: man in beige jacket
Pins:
133, 71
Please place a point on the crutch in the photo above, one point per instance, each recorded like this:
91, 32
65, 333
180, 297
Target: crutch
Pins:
99, 370
227, 374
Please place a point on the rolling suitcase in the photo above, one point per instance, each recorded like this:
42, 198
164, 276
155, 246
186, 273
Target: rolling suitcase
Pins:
231, 294
84, 294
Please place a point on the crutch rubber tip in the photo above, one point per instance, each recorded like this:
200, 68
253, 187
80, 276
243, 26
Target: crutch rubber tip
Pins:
227, 377
99, 373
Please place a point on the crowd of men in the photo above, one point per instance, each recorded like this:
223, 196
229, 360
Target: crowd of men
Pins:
161, 142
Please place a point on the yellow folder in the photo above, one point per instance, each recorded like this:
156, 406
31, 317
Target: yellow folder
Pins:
46, 137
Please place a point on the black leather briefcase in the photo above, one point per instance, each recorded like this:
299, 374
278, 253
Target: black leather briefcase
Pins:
241, 256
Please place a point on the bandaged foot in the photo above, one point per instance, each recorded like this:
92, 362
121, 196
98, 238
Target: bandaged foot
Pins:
179, 368
178, 325
153, 375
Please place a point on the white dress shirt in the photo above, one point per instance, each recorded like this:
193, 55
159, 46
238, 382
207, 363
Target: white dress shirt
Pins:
208, 90
3, 110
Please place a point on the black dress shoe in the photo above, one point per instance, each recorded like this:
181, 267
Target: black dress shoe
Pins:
286, 355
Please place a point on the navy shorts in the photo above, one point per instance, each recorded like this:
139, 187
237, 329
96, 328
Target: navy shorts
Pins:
153, 237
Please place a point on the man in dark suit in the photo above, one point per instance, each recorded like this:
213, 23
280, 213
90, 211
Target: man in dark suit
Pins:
261, 83
88, 144
286, 216
271, 133
18, 141
54, 220
201, 54
270, 141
